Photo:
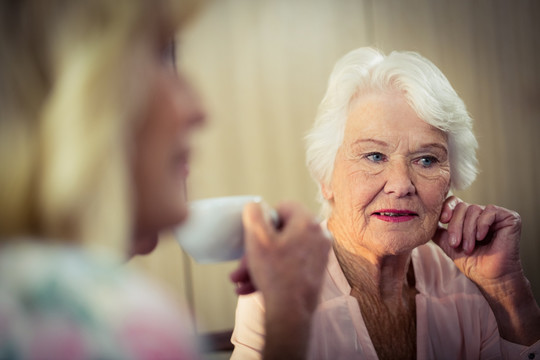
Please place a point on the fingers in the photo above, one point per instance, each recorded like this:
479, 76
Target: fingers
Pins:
258, 233
240, 276
263, 231
241, 273
245, 288
485, 222
455, 224
462, 220
441, 238
472, 214
257, 223
467, 224
462, 228
448, 208
285, 263
296, 220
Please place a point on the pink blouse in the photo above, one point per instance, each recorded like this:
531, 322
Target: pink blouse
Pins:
453, 320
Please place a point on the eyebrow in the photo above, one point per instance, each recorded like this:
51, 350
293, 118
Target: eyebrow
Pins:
385, 144
434, 145
369, 140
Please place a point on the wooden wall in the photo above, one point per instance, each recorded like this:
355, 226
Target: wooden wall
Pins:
261, 67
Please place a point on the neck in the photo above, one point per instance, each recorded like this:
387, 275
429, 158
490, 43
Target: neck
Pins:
385, 290
389, 279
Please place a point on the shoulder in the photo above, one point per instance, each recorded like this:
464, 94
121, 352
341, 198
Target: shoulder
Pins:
250, 314
60, 300
248, 336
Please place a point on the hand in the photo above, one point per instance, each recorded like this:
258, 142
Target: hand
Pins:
483, 241
240, 276
286, 263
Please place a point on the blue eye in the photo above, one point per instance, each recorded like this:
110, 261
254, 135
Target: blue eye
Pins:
375, 157
428, 161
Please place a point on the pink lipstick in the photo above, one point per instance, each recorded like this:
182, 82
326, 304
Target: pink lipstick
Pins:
394, 215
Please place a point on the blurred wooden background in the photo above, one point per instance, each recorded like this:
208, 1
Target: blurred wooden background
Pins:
261, 67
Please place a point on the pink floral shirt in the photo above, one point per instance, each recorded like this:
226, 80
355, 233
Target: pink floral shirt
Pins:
63, 303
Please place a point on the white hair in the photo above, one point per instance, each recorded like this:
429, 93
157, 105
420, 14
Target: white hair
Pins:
426, 90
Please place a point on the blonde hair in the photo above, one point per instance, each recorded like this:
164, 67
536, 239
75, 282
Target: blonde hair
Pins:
73, 89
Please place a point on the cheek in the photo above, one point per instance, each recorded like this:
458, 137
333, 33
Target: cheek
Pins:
354, 193
351, 186
433, 195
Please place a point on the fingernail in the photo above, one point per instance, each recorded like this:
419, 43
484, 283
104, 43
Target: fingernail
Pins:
444, 215
453, 240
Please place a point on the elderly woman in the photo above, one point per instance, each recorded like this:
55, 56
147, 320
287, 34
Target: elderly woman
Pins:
95, 135
391, 140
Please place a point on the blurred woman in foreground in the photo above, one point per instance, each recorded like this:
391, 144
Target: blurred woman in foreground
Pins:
95, 130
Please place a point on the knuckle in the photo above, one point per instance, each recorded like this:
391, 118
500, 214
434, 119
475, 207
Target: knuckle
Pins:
472, 209
313, 225
292, 206
308, 222
453, 201
478, 207
517, 217
461, 206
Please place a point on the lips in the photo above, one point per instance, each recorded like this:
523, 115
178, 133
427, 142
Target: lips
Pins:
393, 212
182, 162
394, 215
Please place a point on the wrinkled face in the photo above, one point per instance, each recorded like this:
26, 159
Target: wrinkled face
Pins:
391, 176
162, 151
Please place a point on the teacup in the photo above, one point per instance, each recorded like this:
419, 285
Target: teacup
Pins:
213, 231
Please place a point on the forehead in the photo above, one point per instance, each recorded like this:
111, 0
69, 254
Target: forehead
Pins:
388, 116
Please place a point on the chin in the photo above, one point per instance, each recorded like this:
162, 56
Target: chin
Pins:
177, 210
144, 245
399, 246
183, 214
172, 216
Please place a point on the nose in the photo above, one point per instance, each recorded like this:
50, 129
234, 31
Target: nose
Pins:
399, 181
198, 118
192, 104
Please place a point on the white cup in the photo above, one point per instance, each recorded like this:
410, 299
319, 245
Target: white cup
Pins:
213, 231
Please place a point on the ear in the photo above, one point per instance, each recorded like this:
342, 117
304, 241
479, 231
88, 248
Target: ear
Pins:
327, 191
